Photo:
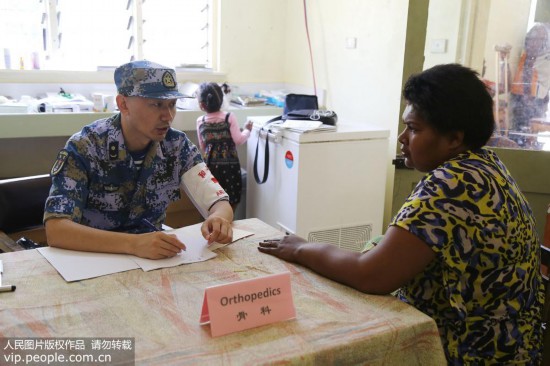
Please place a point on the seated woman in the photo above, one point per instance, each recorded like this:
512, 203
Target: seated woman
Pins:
463, 247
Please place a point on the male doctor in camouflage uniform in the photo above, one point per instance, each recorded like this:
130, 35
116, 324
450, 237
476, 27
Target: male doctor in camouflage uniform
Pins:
118, 175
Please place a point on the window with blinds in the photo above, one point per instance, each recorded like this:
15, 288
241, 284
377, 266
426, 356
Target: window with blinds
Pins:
89, 35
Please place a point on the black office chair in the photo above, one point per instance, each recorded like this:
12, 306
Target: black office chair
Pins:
21, 210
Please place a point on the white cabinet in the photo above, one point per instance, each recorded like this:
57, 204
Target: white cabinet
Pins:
322, 186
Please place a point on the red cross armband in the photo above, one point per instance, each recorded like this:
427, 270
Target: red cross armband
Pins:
202, 188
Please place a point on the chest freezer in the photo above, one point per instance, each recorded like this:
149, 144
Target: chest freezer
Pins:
322, 186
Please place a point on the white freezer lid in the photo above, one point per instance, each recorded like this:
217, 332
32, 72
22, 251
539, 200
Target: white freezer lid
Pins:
343, 132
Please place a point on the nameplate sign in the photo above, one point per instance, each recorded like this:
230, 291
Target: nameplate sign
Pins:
247, 304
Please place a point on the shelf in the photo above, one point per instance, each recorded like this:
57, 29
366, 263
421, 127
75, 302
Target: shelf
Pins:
66, 124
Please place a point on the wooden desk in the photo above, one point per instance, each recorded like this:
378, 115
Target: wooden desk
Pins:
335, 325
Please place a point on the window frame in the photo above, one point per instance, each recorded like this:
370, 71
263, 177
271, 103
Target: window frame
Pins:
105, 76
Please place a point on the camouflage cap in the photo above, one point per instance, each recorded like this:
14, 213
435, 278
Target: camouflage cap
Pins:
148, 80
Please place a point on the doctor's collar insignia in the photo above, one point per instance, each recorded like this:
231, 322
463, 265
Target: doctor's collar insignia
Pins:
59, 162
113, 150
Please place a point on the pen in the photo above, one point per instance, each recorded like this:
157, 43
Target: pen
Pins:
149, 224
7, 288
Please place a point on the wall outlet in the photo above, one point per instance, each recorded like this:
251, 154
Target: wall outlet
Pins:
438, 46
351, 42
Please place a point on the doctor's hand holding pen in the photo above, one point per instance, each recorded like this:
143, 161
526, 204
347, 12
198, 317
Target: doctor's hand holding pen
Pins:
157, 245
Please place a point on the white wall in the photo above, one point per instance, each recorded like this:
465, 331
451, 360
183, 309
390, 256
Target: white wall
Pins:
443, 24
363, 84
252, 35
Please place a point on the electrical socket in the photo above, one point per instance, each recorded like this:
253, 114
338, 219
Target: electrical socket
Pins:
438, 46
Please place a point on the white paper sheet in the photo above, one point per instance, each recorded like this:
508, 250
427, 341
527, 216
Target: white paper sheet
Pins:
197, 250
74, 265
238, 234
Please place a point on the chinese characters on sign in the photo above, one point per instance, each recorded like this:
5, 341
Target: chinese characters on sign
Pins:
265, 310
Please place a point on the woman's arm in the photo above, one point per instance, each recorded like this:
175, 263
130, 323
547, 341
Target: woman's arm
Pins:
392, 263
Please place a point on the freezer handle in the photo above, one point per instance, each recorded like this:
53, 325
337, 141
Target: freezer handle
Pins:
266, 159
274, 135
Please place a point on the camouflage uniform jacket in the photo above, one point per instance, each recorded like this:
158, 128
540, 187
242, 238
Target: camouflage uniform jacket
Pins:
96, 183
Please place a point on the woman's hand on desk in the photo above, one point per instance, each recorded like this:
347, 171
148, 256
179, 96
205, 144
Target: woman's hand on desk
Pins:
157, 245
285, 248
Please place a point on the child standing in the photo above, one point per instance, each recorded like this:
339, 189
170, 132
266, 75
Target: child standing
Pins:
218, 134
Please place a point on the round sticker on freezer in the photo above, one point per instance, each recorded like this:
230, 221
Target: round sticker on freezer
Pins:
289, 159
